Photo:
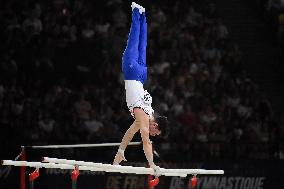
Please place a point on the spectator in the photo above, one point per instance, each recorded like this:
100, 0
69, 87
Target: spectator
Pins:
206, 91
83, 108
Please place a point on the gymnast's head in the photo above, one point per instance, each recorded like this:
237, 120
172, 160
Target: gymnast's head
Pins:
159, 126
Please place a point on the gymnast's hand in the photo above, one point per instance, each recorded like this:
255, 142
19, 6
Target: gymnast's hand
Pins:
157, 170
119, 157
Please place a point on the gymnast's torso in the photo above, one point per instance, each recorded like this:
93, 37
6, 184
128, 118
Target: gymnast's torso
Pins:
137, 97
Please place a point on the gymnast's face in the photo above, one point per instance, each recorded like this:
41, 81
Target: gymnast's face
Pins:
154, 128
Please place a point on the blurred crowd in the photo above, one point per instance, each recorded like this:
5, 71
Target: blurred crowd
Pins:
272, 12
61, 82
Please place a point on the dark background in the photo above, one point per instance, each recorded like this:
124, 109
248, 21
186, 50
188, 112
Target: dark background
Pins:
215, 69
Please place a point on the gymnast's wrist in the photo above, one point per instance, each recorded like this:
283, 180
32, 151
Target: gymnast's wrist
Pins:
121, 151
152, 164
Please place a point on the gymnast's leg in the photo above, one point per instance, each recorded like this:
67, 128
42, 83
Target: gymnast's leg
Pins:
142, 40
130, 55
142, 47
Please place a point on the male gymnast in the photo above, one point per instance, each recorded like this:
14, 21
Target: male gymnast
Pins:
138, 100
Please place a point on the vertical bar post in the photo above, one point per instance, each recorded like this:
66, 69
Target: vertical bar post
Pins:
31, 185
150, 177
32, 176
23, 170
193, 182
74, 184
74, 176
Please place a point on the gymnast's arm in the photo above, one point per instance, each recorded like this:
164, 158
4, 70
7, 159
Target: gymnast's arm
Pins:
124, 143
142, 120
128, 136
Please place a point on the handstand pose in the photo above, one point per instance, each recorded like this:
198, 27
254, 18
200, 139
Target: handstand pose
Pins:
138, 100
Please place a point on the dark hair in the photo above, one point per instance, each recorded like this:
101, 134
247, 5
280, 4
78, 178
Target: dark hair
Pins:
163, 125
